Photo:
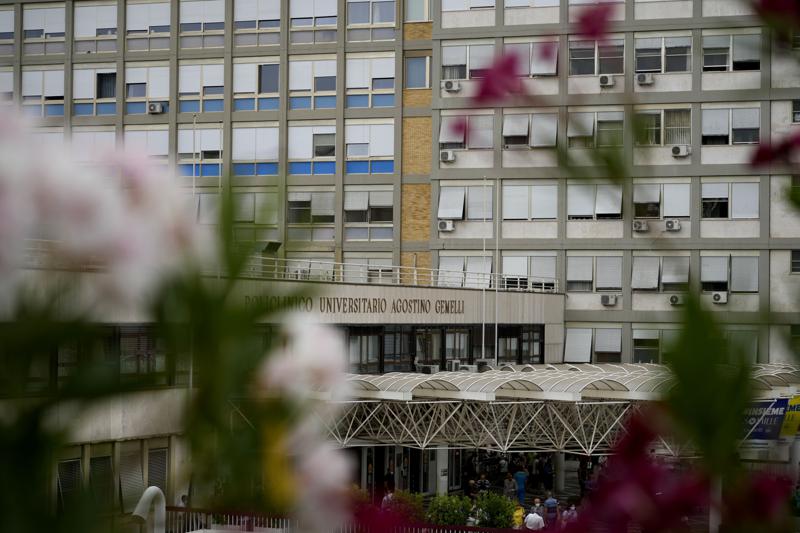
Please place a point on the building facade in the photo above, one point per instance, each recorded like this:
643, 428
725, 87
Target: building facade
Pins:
334, 125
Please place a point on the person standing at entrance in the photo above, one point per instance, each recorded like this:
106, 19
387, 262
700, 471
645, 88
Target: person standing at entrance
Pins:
509, 486
550, 510
521, 477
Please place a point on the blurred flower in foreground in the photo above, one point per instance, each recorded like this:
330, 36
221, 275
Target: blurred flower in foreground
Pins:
119, 215
312, 361
782, 15
594, 21
636, 490
501, 80
777, 153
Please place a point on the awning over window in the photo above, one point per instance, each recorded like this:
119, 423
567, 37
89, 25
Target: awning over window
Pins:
451, 203
645, 273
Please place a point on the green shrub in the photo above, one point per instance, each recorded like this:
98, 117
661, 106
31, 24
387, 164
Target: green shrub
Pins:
408, 506
495, 510
448, 510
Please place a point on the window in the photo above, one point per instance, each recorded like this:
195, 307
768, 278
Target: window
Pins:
43, 92
42, 30
418, 72
646, 346
202, 23
141, 353
795, 111
101, 482
536, 58
7, 32
152, 142
312, 84
650, 199
418, 10
607, 345
201, 88
259, 208
199, 154
312, 22
717, 56
581, 132
91, 143
731, 126
795, 262
590, 202
312, 149
578, 345
466, 61
664, 54
671, 271
69, 484
370, 20
593, 57
458, 271
94, 91
580, 273
157, 468
311, 214
535, 131
370, 81
95, 28
254, 151
148, 26
478, 201
365, 352
739, 273
530, 202
368, 214
529, 272
659, 127
370, 148
145, 85
256, 22
256, 86
730, 200
470, 132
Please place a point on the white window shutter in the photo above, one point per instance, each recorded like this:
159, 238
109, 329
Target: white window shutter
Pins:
244, 10
159, 14
479, 270
299, 9
608, 200
579, 268
357, 73
481, 56
383, 67
324, 8
243, 144
543, 268
300, 75
479, 203
131, 480
451, 203
189, 79
381, 140
578, 345
54, 20
454, 55
544, 59
744, 200
83, 84
580, 125
714, 268
714, 190
32, 82
300, 143
676, 200
544, 129
136, 75
245, 78
325, 68
515, 267
7, 21
480, 133
580, 200
158, 82
158, 142
715, 121
107, 16
269, 9
453, 272
266, 144
266, 208
645, 273
356, 200
608, 340
213, 75
214, 11
646, 193
450, 130
609, 273
744, 274
515, 202
544, 202
675, 269
191, 11
85, 21
210, 139
515, 125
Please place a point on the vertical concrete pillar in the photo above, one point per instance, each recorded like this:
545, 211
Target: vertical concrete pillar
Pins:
794, 459
559, 470
442, 469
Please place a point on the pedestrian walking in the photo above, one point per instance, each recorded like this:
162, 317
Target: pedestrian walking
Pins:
483, 485
509, 486
521, 477
534, 521
550, 509
569, 515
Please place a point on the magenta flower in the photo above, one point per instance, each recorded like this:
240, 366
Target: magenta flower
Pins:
500, 81
594, 21
780, 152
759, 501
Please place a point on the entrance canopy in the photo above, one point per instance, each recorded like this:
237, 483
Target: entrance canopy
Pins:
564, 407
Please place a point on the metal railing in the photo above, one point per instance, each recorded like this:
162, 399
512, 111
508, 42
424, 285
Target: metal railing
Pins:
40, 256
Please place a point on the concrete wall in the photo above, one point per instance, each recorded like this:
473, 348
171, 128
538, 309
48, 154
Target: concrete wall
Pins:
784, 287
531, 15
468, 19
658, 9
784, 216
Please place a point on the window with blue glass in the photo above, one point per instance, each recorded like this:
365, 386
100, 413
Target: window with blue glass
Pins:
255, 151
256, 86
94, 91
370, 20
370, 80
147, 26
200, 88
368, 213
370, 147
310, 214
200, 151
146, 90
43, 92
202, 23
256, 22
312, 22
312, 84
7, 32
312, 149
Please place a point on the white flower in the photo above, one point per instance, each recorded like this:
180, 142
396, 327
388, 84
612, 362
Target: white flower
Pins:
323, 478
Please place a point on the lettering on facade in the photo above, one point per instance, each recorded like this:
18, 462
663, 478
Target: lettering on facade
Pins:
333, 305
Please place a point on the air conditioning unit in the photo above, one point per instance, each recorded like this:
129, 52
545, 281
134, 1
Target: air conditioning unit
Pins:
645, 78
453, 365
451, 86
481, 363
640, 226
608, 300
427, 369
469, 368
447, 156
677, 299
155, 108
681, 150
672, 225
719, 297
446, 225
606, 80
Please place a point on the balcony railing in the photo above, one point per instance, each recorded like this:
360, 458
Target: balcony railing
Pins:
40, 256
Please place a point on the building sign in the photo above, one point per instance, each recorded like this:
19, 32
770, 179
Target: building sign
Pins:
791, 422
336, 305
765, 418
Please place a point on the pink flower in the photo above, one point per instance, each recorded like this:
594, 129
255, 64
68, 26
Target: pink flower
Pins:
594, 21
500, 81
780, 152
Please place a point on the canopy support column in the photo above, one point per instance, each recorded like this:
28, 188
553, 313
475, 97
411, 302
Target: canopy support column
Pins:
559, 467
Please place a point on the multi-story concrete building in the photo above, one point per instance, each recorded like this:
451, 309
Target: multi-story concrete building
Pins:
330, 122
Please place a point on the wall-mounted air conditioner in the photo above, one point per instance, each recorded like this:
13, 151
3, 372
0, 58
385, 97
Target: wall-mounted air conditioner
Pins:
608, 300
672, 225
451, 86
446, 225
719, 297
681, 150
427, 369
447, 156
606, 80
677, 299
640, 226
645, 78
